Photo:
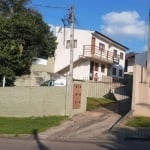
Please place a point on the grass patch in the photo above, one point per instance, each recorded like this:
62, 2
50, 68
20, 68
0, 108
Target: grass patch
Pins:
28, 125
139, 122
93, 103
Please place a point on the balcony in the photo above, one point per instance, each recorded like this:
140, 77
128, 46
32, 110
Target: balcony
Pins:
96, 53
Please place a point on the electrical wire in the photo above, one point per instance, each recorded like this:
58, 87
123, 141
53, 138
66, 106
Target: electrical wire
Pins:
48, 6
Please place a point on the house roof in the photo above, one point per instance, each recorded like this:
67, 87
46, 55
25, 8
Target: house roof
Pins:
130, 55
111, 41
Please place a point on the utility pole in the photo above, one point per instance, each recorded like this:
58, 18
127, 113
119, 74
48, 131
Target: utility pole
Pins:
71, 20
148, 51
69, 98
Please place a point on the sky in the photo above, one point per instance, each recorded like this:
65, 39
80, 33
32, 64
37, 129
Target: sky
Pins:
125, 21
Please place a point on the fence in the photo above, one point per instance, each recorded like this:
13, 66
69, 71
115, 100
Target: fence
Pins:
32, 101
45, 101
39, 101
118, 88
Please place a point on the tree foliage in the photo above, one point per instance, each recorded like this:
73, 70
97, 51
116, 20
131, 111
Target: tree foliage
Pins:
23, 35
11, 7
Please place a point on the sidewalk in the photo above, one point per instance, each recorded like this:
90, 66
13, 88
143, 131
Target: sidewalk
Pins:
121, 131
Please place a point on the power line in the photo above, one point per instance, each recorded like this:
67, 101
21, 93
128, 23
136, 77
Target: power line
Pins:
48, 6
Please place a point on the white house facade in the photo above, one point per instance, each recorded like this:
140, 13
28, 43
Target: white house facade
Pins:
94, 54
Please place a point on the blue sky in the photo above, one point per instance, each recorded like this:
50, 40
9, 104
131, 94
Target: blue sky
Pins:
122, 20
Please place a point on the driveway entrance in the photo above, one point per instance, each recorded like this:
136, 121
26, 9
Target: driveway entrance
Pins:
87, 126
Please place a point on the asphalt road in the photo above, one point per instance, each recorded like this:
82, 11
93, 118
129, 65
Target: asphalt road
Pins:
36, 144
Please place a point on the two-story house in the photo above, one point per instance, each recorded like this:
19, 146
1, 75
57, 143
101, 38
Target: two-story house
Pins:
93, 54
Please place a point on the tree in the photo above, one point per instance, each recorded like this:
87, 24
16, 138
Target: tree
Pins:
23, 36
11, 7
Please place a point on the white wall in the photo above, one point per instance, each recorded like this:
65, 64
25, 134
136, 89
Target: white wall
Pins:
111, 48
82, 72
130, 66
83, 37
121, 61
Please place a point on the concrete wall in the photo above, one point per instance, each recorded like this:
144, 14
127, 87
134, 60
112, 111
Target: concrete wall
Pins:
141, 58
141, 92
34, 79
32, 101
41, 70
49, 67
40, 101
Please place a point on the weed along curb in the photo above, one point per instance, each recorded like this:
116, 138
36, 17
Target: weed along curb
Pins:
14, 127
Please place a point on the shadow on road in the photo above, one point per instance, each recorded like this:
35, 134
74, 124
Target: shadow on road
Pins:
41, 146
125, 138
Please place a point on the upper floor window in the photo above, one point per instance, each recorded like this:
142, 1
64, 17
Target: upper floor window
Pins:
68, 44
121, 55
115, 53
101, 46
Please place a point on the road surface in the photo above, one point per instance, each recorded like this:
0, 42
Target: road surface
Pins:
36, 144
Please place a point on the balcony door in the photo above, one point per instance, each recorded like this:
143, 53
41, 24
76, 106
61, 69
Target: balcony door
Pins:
93, 46
93, 69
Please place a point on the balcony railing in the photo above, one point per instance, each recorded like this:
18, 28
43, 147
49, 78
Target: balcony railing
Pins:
95, 52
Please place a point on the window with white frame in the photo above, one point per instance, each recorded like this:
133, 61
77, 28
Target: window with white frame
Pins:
68, 44
115, 53
102, 46
121, 55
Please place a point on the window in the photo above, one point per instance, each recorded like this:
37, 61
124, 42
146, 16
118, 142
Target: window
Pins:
115, 53
68, 44
121, 55
120, 72
101, 46
75, 43
114, 71
102, 68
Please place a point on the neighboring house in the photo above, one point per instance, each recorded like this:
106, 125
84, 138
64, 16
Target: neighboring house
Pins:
41, 70
141, 86
141, 59
93, 54
130, 62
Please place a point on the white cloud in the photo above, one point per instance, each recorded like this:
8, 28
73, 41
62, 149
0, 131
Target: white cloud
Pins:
124, 24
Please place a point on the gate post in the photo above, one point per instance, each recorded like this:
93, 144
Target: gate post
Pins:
69, 93
76, 97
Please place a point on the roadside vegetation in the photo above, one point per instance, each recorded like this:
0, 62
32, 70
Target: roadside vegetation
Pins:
139, 122
23, 36
94, 103
28, 125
